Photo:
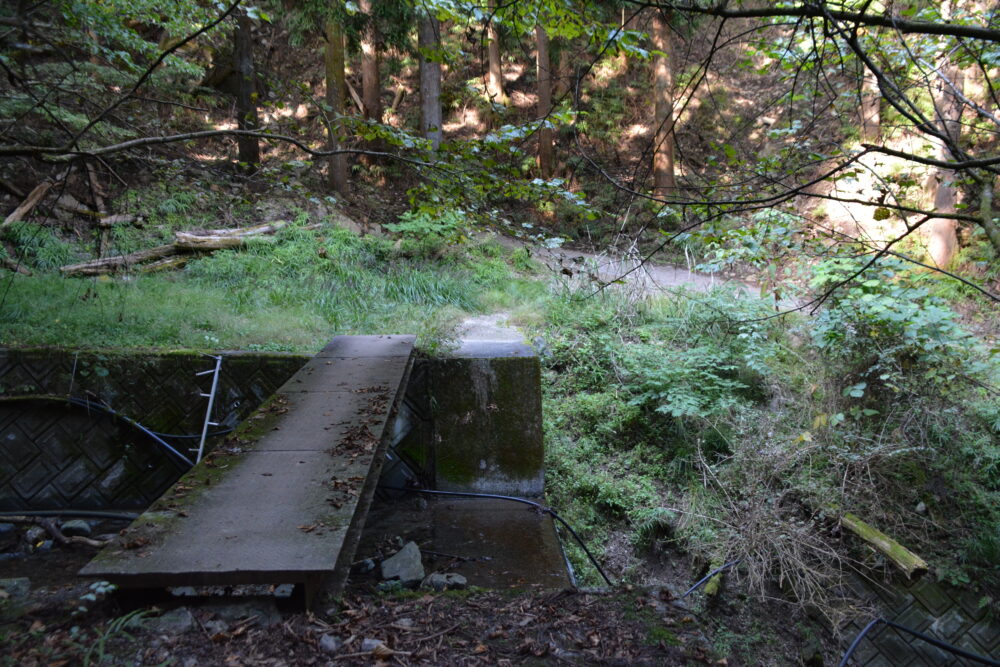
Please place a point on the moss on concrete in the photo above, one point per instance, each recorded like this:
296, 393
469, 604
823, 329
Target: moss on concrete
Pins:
488, 428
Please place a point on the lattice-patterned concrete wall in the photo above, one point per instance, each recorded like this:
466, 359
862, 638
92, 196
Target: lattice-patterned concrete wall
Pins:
57, 456
947, 613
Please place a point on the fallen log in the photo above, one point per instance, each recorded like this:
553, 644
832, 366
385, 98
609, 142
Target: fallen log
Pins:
166, 257
907, 561
98, 267
118, 219
28, 204
12, 265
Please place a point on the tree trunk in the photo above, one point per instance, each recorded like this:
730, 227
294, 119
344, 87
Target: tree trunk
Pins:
986, 211
565, 79
664, 182
429, 41
942, 233
371, 83
336, 95
871, 115
544, 72
494, 78
246, 106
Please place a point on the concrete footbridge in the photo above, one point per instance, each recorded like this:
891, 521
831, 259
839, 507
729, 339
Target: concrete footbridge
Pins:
285, 499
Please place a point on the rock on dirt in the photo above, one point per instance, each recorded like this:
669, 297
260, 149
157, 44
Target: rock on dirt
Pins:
444, 582
405, 565
174, 622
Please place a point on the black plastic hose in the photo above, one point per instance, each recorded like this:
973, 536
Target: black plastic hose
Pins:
83, 514
709, 576
525, 501
90, 405
919, 635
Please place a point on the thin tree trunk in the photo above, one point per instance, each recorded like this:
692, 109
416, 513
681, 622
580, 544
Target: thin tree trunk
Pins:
564, 71
246, 107
986, 212
429, 41
544, 67
494, 78
871, 115
664, 182
336, 95
942, 233
371, 83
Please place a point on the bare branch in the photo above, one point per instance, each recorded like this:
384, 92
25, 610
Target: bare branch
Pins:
820, 10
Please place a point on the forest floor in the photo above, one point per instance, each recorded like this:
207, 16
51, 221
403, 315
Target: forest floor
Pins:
57, 625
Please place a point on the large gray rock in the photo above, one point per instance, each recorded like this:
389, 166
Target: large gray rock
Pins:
405, 566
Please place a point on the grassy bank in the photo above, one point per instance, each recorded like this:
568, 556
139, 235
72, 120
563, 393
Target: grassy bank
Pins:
291, 292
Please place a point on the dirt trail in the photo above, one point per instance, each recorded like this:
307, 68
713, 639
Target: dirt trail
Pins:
580, 269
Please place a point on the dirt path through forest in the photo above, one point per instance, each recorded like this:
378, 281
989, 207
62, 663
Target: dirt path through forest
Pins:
579, 269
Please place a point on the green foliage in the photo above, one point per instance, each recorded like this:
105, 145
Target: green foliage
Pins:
430, 230
38, 246
691, 382
892, 333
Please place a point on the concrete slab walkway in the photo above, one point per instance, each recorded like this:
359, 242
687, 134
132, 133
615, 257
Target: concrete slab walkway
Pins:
285, 500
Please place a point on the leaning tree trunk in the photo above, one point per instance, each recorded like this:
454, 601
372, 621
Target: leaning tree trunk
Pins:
336, 96
246, 106
544, 65
664, 182
494, 77
429, 41
371, 84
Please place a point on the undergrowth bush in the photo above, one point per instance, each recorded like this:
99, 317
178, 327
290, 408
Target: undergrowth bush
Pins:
698, 421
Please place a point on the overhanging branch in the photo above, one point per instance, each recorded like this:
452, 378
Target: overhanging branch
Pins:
820, 10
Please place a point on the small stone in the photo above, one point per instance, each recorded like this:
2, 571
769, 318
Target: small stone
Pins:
444, 582
175, 622
921, 507
16, 588
404, 622
367, 565
216, 627
45, 546
264, 611
405, 565
35, 535
330, 643
393, 586
368, 644
76, 528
